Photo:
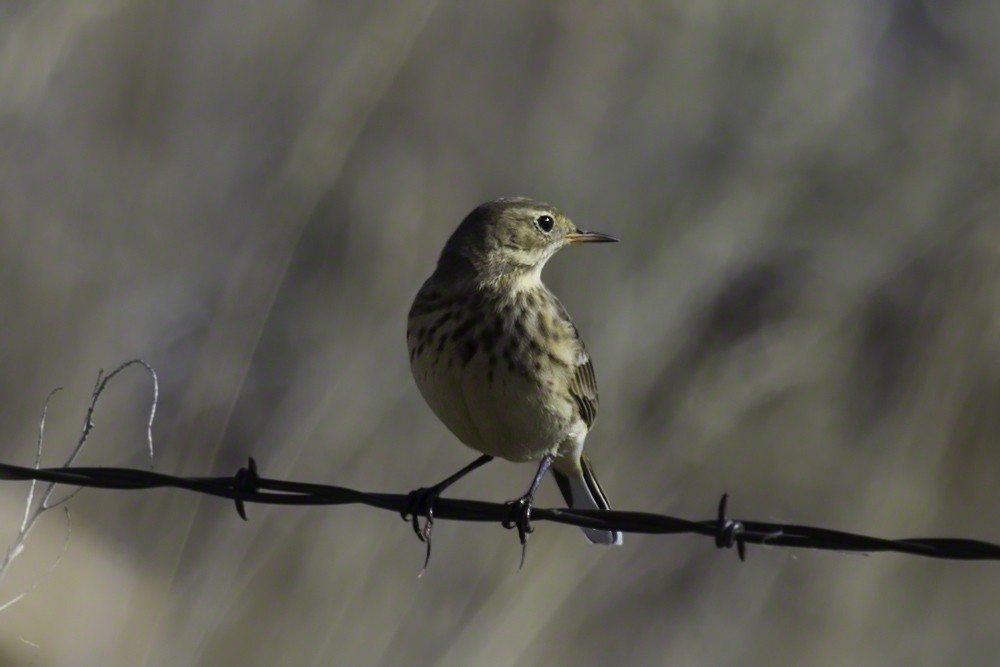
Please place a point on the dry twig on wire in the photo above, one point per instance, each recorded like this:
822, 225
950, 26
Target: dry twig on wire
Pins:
33, 511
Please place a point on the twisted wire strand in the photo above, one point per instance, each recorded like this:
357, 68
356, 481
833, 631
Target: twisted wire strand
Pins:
246, 486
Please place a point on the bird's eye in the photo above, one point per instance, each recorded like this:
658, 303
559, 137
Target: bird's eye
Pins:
545, 223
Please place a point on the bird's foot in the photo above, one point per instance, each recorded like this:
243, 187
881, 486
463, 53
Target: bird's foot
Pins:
421, 502
519, 516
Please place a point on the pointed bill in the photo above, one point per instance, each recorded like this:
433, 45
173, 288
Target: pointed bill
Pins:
580, 236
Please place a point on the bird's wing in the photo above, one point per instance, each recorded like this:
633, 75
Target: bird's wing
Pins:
583, 384
583, 388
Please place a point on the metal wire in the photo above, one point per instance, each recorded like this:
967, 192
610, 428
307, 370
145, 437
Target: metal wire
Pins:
247, 486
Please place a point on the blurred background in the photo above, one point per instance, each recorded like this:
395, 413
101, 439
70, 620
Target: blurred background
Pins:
804, 312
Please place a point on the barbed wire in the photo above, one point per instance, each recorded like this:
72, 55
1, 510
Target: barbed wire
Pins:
247, 486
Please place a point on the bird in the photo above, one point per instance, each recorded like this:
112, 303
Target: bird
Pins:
498, 359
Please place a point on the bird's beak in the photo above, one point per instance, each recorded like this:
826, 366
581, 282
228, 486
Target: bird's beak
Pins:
580, 236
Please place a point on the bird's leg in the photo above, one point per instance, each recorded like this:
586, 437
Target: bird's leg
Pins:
421, 501
520, 510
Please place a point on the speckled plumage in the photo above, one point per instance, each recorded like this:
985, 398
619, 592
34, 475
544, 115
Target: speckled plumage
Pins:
501, 346
496, 355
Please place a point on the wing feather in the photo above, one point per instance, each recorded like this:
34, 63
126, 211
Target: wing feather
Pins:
583, 385
583, 388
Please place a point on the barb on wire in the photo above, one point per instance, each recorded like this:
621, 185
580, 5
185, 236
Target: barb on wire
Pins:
246, 486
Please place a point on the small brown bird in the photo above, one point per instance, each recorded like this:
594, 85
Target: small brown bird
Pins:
499, 361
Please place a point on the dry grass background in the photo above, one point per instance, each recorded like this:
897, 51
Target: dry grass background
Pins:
804, 312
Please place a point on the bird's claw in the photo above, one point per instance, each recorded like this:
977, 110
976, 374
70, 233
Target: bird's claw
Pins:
421, 501
519, 516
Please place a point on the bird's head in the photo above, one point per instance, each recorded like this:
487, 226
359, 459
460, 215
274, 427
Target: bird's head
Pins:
510, 239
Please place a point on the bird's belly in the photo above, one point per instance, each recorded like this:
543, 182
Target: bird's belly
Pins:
514, 417
507, 416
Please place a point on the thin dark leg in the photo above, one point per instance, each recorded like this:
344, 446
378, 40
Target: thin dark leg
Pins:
520, 509
421, 501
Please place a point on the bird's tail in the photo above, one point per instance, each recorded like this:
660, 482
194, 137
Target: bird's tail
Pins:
583, 492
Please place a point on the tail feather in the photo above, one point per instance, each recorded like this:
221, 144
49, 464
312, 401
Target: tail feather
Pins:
583, 492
